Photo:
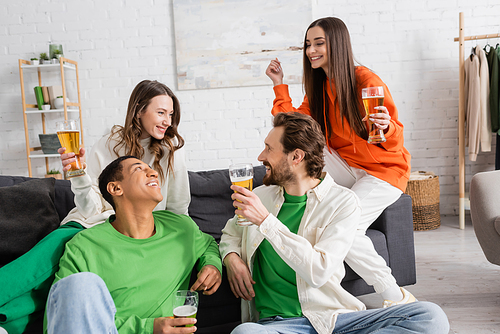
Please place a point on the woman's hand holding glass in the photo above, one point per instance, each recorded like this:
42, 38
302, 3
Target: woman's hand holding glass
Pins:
376, 115
381, 119
70, 157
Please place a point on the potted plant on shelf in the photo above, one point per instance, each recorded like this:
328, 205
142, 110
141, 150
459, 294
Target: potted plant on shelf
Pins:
35, 61
57, 54
55, 174
55, 50
59, 102
44, 59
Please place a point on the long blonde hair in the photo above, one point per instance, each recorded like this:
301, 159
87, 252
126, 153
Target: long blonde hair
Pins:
129, 134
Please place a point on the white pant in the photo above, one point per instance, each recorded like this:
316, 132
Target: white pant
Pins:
375, 195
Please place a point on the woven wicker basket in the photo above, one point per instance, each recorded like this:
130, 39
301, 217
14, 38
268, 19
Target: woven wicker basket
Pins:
425, 200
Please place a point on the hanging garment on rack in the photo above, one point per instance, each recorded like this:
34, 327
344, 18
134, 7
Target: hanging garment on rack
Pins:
497, 153
494, 71
484, 82
472, 104
493, 57
476, 112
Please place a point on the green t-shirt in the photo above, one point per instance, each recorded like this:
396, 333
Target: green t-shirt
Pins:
141, 274
275, 282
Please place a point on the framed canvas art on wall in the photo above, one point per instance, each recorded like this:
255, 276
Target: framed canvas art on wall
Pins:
230, 43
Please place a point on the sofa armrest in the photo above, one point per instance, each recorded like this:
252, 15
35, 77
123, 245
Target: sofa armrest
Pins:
484, 211
64, 197
396, 222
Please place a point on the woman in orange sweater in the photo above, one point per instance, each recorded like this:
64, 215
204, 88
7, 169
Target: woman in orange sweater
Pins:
377, 173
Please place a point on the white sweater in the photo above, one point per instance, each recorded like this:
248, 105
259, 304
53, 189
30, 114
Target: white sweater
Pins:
316, 253
92, 209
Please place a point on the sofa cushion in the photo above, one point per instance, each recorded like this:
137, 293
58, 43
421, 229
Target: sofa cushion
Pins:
27, 215
211, 307
64, 195
210, 207
65, 199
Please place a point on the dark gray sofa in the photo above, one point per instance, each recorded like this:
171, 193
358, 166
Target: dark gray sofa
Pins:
210, 207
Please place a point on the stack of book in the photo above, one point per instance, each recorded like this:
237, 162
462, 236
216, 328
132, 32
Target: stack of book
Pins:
47, 95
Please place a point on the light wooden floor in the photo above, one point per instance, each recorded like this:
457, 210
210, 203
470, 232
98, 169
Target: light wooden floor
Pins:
453, 273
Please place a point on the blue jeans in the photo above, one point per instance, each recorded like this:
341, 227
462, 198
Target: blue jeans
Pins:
419, 317
80, 303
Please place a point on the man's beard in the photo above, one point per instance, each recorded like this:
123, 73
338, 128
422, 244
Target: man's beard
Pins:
280, 174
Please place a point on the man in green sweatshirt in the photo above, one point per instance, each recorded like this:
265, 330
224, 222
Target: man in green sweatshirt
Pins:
121, 276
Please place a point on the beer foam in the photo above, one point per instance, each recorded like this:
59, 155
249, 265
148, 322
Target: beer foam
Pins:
184, 311
67, 131
241, 179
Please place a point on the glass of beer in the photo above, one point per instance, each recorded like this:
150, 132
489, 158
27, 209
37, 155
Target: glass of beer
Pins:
242, 175
69, 136
373, 97
185, 305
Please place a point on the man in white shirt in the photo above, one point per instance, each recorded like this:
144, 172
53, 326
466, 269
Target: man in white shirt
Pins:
287, 266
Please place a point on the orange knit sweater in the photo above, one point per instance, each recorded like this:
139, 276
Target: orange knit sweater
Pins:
389, 161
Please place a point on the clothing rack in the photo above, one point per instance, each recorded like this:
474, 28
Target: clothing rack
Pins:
464, 203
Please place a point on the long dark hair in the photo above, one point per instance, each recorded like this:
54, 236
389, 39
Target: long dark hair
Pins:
341, 73
130, 133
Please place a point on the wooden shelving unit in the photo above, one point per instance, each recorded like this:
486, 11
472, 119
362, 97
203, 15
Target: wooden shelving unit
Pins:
29, 109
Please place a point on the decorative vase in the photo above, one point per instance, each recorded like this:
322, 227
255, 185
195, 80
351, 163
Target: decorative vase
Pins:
54, 47
59, 102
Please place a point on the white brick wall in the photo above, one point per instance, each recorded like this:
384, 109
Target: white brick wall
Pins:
118, 43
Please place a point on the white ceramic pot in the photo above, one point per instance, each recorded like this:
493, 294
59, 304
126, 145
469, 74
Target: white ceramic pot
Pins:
35, 62
59, 103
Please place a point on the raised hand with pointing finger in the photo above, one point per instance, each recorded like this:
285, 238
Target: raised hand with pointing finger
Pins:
275, 72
